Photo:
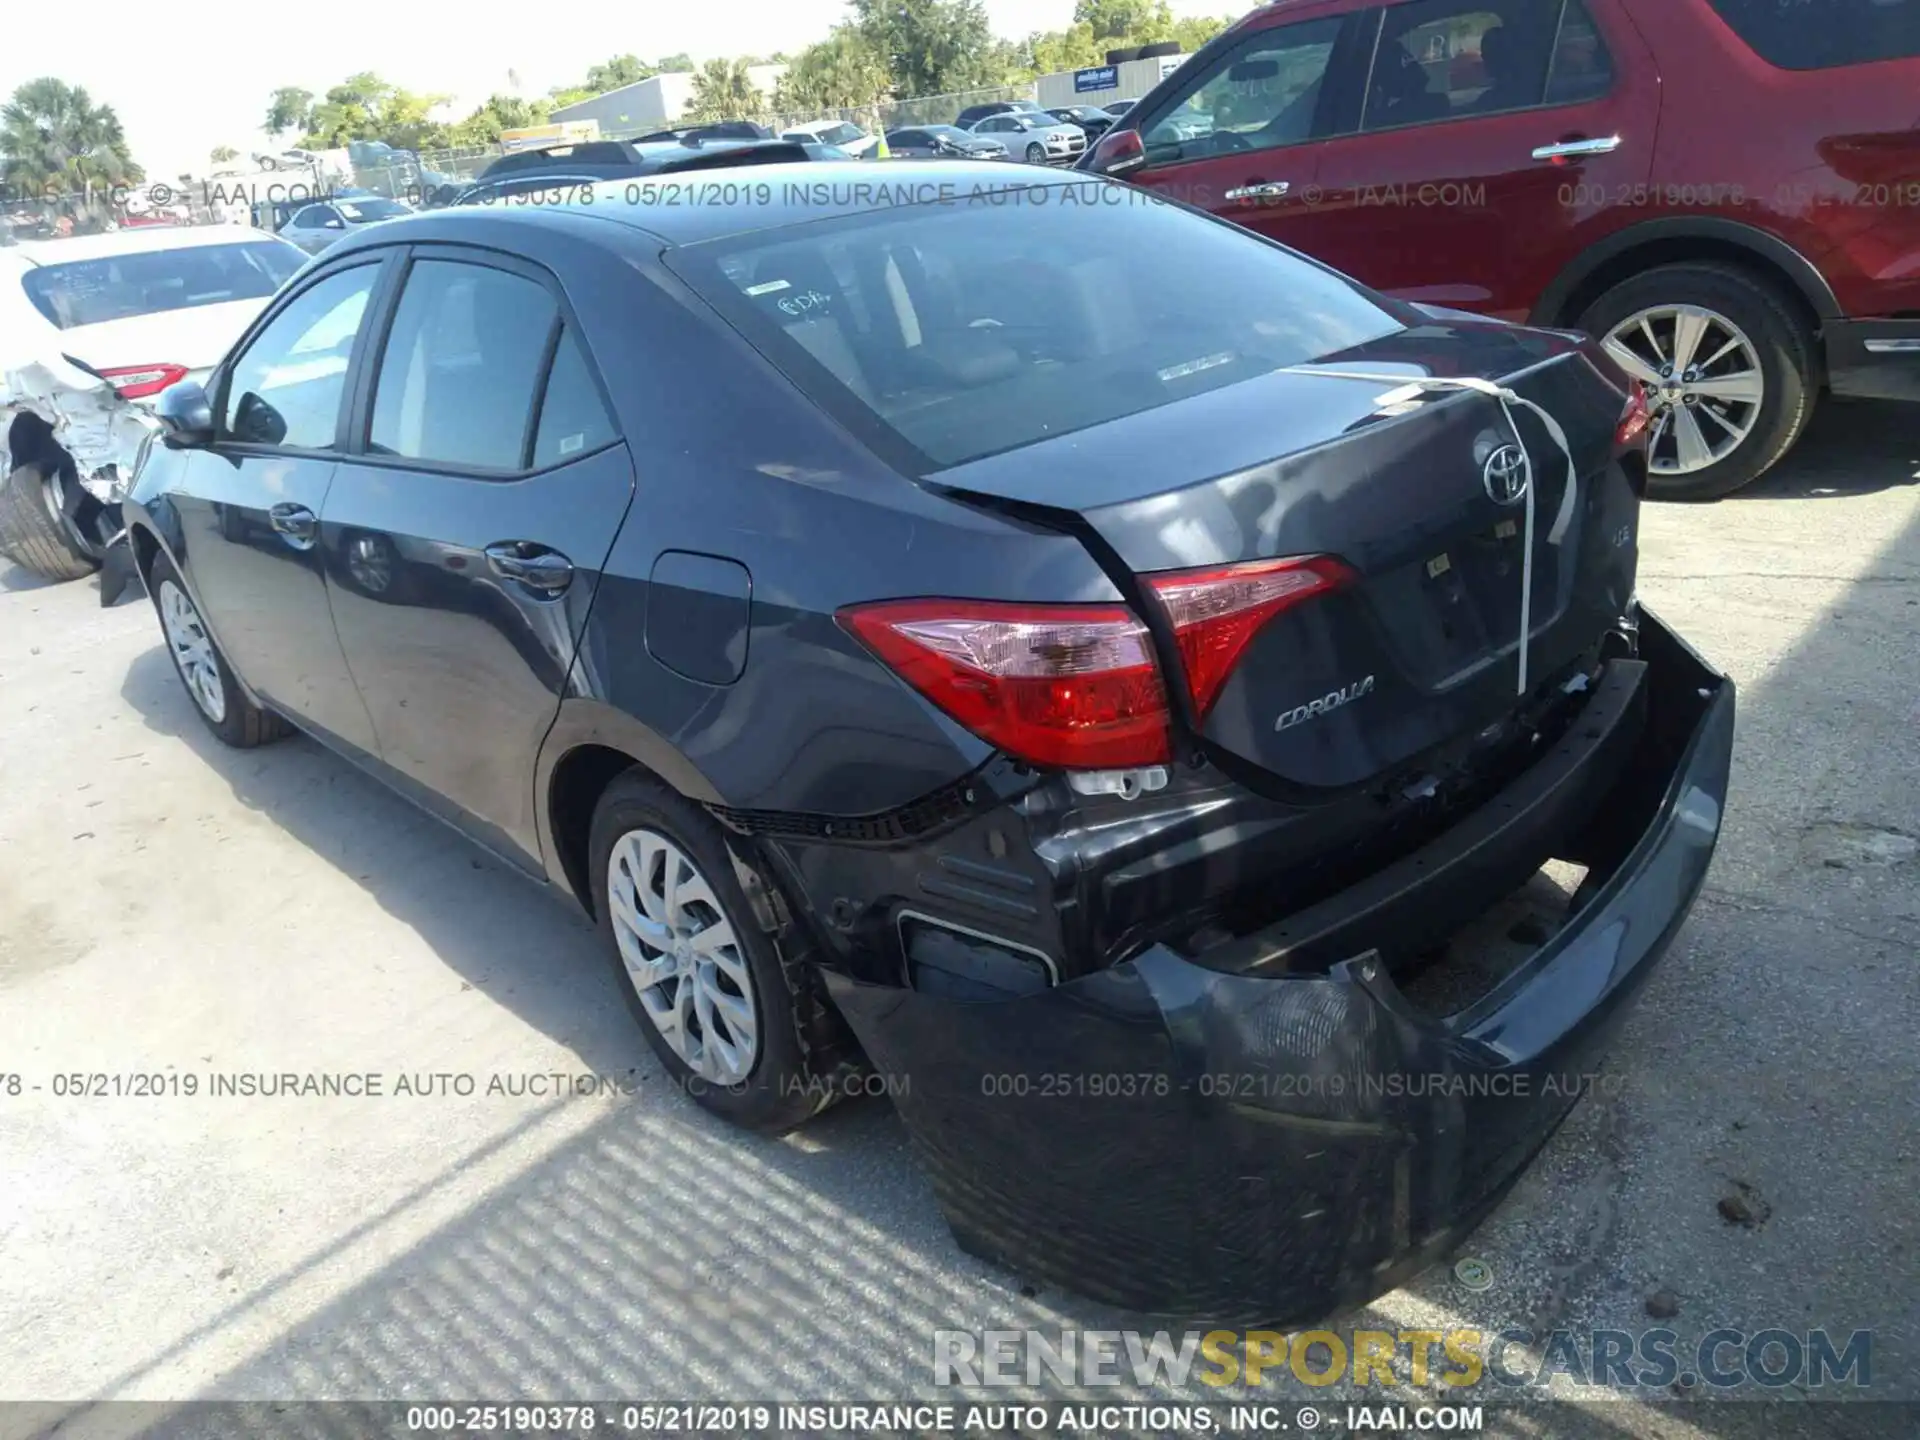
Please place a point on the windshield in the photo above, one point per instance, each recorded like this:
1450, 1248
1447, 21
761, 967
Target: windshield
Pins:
113, 287
839, 134
361, 212
946, 332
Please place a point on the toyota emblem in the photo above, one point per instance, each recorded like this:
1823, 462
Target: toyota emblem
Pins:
1505, 475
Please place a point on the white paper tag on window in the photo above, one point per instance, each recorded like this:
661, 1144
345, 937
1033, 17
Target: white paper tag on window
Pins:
571, 443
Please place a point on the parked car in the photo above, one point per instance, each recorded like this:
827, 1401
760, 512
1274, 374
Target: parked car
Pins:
1093, 122
91, 330
314, 227
1037, 138
974, 114
943, 142
841, 134
989, 643
713, 130
286, 159
554, 173
1556, 163
1120, 107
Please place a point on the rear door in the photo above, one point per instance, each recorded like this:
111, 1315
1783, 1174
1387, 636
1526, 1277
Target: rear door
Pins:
465, 534
1494, 137
1237, 137
248, 505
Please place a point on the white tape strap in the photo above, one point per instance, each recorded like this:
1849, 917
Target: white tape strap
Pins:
1407, 389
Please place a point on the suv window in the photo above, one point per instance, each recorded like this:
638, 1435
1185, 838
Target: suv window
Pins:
286, 387
1821, 34
462, 366
573, 420
1450, 59
1263, 93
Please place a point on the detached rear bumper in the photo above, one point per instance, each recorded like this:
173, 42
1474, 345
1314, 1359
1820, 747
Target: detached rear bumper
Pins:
1236, 1147
1874, 359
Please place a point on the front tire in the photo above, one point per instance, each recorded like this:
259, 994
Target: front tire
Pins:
1728, 365
34, 529
222, 705
717, 1000
1036, 154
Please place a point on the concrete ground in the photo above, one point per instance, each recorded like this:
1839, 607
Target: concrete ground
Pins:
168, 906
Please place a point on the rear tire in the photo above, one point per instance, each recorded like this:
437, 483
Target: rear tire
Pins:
1780, 340
678, 882
216, 696
34, 533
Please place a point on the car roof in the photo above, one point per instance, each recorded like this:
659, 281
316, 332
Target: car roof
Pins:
793, 194
138, 240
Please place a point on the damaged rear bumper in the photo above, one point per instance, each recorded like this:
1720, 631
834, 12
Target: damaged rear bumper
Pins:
1199, 1142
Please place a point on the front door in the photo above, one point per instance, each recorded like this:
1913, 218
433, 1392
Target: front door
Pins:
249, 504
1494, 136
464, 542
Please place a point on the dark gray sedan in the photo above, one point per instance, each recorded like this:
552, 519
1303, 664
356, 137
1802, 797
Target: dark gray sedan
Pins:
943, 142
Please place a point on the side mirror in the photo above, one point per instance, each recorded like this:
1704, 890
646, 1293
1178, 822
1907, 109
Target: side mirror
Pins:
186, 414
1118, 152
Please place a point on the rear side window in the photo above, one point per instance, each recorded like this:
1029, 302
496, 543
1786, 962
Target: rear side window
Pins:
113, 287
1449, 59
573, 420
1822, 34
947, 332
462, 366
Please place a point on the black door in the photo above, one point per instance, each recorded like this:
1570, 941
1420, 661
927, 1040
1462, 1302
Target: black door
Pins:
249, 505
464, 545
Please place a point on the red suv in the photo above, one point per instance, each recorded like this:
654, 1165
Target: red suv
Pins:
1726, 191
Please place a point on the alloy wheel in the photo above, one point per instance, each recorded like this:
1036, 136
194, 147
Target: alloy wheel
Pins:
682, 956
1703, 379
192, 651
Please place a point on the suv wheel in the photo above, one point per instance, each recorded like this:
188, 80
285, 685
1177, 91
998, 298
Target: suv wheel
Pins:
1729, 372
714, 996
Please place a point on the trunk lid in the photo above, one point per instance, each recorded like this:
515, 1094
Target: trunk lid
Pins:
1423, 647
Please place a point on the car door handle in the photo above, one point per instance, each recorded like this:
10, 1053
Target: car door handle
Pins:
296, 522
1261, 190
1573, 149
530, 565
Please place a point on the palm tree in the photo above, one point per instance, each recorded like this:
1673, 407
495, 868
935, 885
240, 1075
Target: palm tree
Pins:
223, 153
722, 90
54, 139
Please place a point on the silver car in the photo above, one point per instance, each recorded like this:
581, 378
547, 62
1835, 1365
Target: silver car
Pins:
320, 224
1037, 138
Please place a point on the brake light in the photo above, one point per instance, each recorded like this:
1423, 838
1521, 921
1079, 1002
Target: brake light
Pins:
1077, 686
1633, 419
1117, 152
1073, 686
1217, 612
136, 382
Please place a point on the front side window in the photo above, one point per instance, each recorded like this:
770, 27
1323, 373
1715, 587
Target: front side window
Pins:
286, 388
950, 332
1265, 93
1822, 34
461, 367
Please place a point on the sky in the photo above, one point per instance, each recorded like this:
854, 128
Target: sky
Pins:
201, 77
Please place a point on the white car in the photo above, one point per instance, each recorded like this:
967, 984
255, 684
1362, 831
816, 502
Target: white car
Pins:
848, 136
92, 328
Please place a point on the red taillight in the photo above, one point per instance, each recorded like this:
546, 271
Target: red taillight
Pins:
1217, 612
136, 382
1633, 419
1077, 686
1068, 685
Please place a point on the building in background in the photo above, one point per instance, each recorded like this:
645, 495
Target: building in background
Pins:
653, 102
1103, 84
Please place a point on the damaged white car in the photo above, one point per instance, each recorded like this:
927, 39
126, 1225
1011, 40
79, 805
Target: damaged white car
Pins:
92, 329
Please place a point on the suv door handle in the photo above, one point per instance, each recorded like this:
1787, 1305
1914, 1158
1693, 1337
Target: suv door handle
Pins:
530, 565
1260, 190
1573, 149
296, 522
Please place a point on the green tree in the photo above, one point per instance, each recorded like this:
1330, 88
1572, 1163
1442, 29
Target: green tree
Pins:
1196, 30
53, 136
1058, 50
620, 70
289, 108
1130, 22
930, 47
501, 112
841, 72
722, 90
365, 107
221, 154
681, 64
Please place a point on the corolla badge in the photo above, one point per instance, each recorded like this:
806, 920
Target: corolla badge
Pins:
1505, 475
1325, 705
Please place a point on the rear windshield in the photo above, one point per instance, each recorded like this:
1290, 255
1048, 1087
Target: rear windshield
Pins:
359, 212
1822, 34
953, 330
112, 287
